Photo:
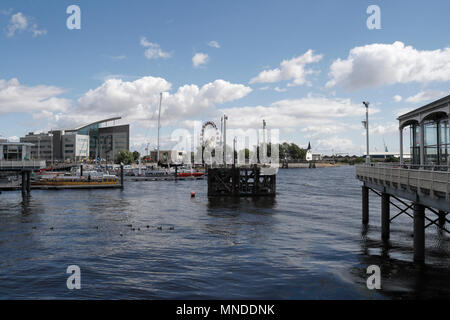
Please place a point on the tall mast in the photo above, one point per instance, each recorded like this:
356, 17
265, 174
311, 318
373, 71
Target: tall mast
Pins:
159, 126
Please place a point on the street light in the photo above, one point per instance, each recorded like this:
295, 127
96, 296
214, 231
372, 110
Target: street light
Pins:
366, 125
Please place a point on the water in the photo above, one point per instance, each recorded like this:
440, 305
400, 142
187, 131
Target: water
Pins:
308, 243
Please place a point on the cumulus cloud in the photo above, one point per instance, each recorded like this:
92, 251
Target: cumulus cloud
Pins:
214, 44
312, 112
19, 23
15, 97
294, 69
426, 95
200, 59
385, 64
138, 101
153, 50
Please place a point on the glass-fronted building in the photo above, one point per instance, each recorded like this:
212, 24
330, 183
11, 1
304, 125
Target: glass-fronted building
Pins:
94, 141
429, 133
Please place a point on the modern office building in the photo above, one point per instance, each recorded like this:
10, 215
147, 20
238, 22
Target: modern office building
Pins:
429, 133
14, 151
96, 140
42, 146
75, 147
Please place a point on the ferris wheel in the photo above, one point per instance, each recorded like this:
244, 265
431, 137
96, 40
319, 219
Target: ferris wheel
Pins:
216, 139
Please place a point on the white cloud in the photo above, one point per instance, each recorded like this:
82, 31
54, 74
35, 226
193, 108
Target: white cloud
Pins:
19, 23
311, 112
336, 144
199, 59
383, 129
214, 44
138, 101
294, 69
36, 32
427, 95
278, 89
398, 98
15, 97
153, 50
385, 64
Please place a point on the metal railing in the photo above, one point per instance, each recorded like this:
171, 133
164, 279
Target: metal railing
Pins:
431, 179
24, 164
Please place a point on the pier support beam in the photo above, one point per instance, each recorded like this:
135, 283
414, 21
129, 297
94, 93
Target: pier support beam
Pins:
385, 216
28, 181
121, 176
365, 205
419, 233
24, 183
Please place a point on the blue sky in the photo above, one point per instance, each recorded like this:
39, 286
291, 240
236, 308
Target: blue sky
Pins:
128, 51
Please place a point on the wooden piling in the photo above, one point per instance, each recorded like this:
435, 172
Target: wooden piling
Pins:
240, 181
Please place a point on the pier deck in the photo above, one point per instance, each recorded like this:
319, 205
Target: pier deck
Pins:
418, 188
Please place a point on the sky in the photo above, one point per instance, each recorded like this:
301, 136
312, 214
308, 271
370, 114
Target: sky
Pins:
303, 66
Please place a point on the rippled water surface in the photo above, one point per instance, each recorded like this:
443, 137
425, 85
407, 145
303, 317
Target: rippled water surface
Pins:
308, 242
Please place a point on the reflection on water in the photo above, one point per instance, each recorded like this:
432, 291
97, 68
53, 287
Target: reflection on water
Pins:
152, 240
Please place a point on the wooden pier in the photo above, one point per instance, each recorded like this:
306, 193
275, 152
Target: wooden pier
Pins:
422, 189
241, 182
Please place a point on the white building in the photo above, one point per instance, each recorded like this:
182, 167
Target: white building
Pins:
75, 147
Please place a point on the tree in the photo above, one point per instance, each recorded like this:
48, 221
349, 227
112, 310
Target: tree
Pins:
136, 155
125, 157
295, 152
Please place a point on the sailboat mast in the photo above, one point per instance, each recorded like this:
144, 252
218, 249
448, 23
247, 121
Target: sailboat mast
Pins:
159, 126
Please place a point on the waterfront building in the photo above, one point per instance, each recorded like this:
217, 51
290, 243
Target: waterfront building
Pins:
169, 156
429, 133
42, 145
96, 140
75, 147
14, 151
105, 141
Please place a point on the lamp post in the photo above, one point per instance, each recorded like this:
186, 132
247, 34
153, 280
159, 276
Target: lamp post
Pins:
366, 125
225, 118
234, 150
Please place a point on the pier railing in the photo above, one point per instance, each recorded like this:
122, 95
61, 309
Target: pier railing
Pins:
430, 180
6, 165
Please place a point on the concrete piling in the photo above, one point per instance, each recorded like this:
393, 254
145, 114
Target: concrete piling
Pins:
365, 205
442, 215
419, 233
385, 216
